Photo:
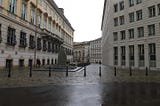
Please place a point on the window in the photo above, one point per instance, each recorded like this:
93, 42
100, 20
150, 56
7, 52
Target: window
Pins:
123, 35
131, 55
24, 8
39, 44
158, 9
44, 45
123, 55
122, 21
131, 17
32, 16
115, 21
139, 1
0, 34
11, 37
115, 55
115, 7
131, 3
115, 36
45, 6
49, 47
139, 15
1, 1
131, 33
40, 1
23, 40
12, 6
31, 42
152, 11
152, 55
49, 25
121, 4
141, 55
151, 30
39, 18
45, 22
140, 32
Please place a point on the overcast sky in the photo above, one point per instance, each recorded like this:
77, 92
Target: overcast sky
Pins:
85, 17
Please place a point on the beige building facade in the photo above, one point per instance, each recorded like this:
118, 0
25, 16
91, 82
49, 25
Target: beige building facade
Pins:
96, 50
33, 32
81, 52
131, 33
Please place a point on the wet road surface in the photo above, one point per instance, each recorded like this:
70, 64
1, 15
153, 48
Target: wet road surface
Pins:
104, 94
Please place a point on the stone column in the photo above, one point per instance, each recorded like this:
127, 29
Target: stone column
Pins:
158, 55
136, 56
127, 56
119, 56
146, 55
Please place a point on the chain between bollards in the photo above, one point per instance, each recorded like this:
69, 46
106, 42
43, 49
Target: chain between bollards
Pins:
84, 71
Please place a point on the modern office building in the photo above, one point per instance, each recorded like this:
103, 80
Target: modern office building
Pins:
96, 50
131, 33
33, 32
81, 51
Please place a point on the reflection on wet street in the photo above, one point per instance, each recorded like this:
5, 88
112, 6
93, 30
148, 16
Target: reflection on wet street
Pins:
105, 94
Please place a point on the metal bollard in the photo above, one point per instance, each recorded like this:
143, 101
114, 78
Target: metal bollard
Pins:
9, 71
130, 69
66, 71
146, 71
30, 71
115, 71
84, 71
100, 71
49, 71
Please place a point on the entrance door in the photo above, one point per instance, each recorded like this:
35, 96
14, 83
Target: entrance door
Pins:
9, 63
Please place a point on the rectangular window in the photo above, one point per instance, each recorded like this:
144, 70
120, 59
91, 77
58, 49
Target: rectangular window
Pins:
152, 11
49, 25
1, 1
32, 16
23, 40
12, 6
151, 30
139, 1
115, 21
131, 55
152, 55
115, 7
24, 8
131, 3
122, 20
11, 37
158, 9
115, 55
139, 15
115, 36
123, 35
44, 45
131, 33
131, 17
49, 47
123, 55
141, 55
45, 23
39, 44
121, 4
40, 1
45, 6
39, 19
0, 34
140, 31
32, 42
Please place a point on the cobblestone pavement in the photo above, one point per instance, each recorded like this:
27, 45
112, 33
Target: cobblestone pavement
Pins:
21, 78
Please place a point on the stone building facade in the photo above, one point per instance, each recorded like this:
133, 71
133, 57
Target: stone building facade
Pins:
96, 50
131, 33
33, 32
81, 51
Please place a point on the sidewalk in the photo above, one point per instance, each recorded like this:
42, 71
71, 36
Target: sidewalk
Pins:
39, 78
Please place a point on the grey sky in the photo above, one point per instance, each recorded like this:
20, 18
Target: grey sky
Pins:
85, 17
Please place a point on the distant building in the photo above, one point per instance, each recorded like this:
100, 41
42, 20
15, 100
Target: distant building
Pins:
96, 50
33, 32
81, 52
131, 33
